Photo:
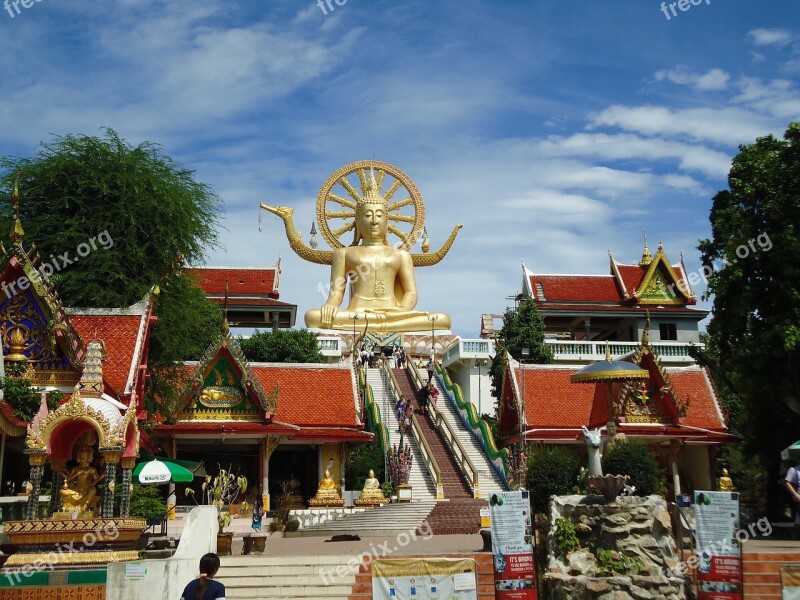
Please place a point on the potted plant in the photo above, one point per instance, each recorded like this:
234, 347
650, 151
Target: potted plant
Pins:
221, 491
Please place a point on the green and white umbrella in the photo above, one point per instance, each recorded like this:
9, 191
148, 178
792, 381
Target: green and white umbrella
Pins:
791, 452
159, 472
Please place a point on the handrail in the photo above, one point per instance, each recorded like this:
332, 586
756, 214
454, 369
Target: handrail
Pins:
480, 429
425, 450
373, 412
450, 437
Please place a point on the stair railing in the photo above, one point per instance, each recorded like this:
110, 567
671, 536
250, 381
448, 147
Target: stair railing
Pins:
449, 435
422, 443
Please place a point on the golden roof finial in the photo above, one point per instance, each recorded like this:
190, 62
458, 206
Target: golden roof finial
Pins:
91, 383
608, 352
16, 349
646, 331
646, 257
225, 326
17, 232
372, 195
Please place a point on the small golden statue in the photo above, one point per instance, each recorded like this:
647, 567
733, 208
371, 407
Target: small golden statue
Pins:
327, 493
372, 494
726, 483
384, 287
82, 496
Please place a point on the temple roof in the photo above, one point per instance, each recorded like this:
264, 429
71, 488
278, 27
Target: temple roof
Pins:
124, 332
653, 282
683, 401
241, 281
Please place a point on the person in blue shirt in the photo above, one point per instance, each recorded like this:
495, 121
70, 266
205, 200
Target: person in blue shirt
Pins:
204, 587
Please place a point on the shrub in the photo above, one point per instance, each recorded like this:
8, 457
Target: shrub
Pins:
292, 525
550, 472
146, 503
634, 459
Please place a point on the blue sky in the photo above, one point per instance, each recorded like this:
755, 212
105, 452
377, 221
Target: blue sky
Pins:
552, 130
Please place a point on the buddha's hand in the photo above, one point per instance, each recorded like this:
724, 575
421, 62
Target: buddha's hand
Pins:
328, 313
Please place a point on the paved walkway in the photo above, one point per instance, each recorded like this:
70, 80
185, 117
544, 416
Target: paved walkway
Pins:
378, 546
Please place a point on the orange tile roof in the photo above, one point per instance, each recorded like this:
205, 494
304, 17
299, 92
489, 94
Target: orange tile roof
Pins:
552, 402
310, 395
576, 288
240, 280
120, 333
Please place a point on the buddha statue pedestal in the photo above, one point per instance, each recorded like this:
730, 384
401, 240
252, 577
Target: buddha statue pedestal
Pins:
327, 495
372, 495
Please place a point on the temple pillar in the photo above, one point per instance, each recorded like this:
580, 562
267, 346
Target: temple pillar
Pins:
57, 481
36, 459
269, 445
112, 457
125, 493
587, 325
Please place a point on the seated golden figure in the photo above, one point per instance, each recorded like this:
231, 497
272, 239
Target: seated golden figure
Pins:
384, 285
327, 493
82, 496
372, 494
726, 483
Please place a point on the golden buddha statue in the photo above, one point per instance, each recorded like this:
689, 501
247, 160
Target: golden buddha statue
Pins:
82, 496
327, 493
384, 287
372, 494
725, 482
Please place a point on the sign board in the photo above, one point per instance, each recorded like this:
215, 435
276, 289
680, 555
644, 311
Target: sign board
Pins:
719, 552
424, 578
512, 546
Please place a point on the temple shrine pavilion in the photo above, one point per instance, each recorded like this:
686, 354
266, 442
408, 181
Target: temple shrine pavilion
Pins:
641, 313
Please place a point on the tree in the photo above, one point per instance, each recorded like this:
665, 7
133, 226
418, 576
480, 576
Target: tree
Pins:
754, 278
282, 345
522, 328
125, 217
110, 221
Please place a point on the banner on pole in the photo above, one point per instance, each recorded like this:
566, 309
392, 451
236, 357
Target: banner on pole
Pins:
719, 552
512, 546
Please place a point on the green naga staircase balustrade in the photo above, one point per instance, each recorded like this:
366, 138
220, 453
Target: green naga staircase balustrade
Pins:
373, 412
480, 429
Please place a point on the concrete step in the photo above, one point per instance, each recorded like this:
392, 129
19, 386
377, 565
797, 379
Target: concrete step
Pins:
388, 519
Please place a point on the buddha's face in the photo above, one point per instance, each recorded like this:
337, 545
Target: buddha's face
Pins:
371, 221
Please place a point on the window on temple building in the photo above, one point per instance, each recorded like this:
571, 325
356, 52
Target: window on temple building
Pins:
669, 332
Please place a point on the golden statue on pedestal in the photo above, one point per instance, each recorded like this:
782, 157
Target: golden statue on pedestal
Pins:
371, 495
726, 483
82, 496
384, 288
327, 494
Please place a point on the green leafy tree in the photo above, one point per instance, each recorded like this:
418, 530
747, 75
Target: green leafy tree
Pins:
755, 277
523, 328
112, 220
155, 215
632, 458
282, 345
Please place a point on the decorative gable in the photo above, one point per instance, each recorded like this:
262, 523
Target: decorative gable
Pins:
661, 284
224, 389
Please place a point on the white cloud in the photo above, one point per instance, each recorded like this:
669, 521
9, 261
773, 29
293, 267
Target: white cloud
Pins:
763, 36
622, 146
714, 79
726, 125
